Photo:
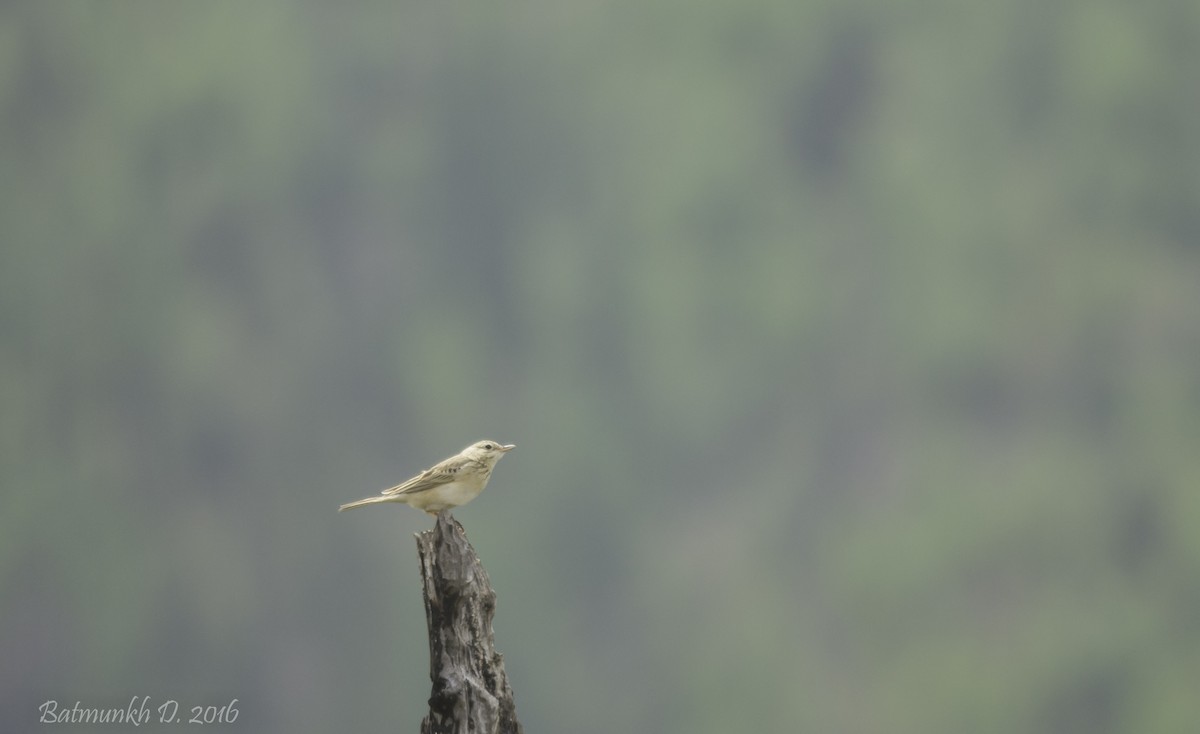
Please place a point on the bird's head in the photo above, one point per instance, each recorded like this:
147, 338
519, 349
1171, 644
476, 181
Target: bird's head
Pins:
489, 451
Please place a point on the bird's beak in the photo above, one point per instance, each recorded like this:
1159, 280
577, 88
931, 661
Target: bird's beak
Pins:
508, 448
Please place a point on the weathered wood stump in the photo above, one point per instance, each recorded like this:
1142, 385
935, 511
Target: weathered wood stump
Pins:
470, 689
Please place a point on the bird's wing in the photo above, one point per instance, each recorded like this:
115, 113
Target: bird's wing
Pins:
434, 476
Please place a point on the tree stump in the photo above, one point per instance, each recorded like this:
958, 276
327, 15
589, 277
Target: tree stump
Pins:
470, 689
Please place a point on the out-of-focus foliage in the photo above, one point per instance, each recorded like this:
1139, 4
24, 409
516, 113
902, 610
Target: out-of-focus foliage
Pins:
852, 351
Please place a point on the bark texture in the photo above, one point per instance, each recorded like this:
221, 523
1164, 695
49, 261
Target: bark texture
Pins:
470, 689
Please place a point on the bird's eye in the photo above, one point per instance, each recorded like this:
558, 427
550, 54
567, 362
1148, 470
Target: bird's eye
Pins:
489, 446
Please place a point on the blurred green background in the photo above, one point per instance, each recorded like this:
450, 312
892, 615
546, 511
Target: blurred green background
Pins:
851, 349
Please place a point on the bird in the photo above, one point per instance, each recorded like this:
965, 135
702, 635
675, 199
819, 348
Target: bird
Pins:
449, 483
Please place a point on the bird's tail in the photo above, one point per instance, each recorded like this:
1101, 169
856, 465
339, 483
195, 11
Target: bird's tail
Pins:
368, 501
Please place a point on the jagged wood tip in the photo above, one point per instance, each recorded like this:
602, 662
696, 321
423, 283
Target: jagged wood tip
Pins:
470, 688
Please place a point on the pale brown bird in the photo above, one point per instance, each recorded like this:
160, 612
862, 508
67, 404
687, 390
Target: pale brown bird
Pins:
450, 483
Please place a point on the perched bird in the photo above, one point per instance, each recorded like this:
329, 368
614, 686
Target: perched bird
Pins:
450, 483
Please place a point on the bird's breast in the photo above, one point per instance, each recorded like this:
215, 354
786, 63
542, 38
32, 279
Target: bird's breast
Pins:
460, 492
